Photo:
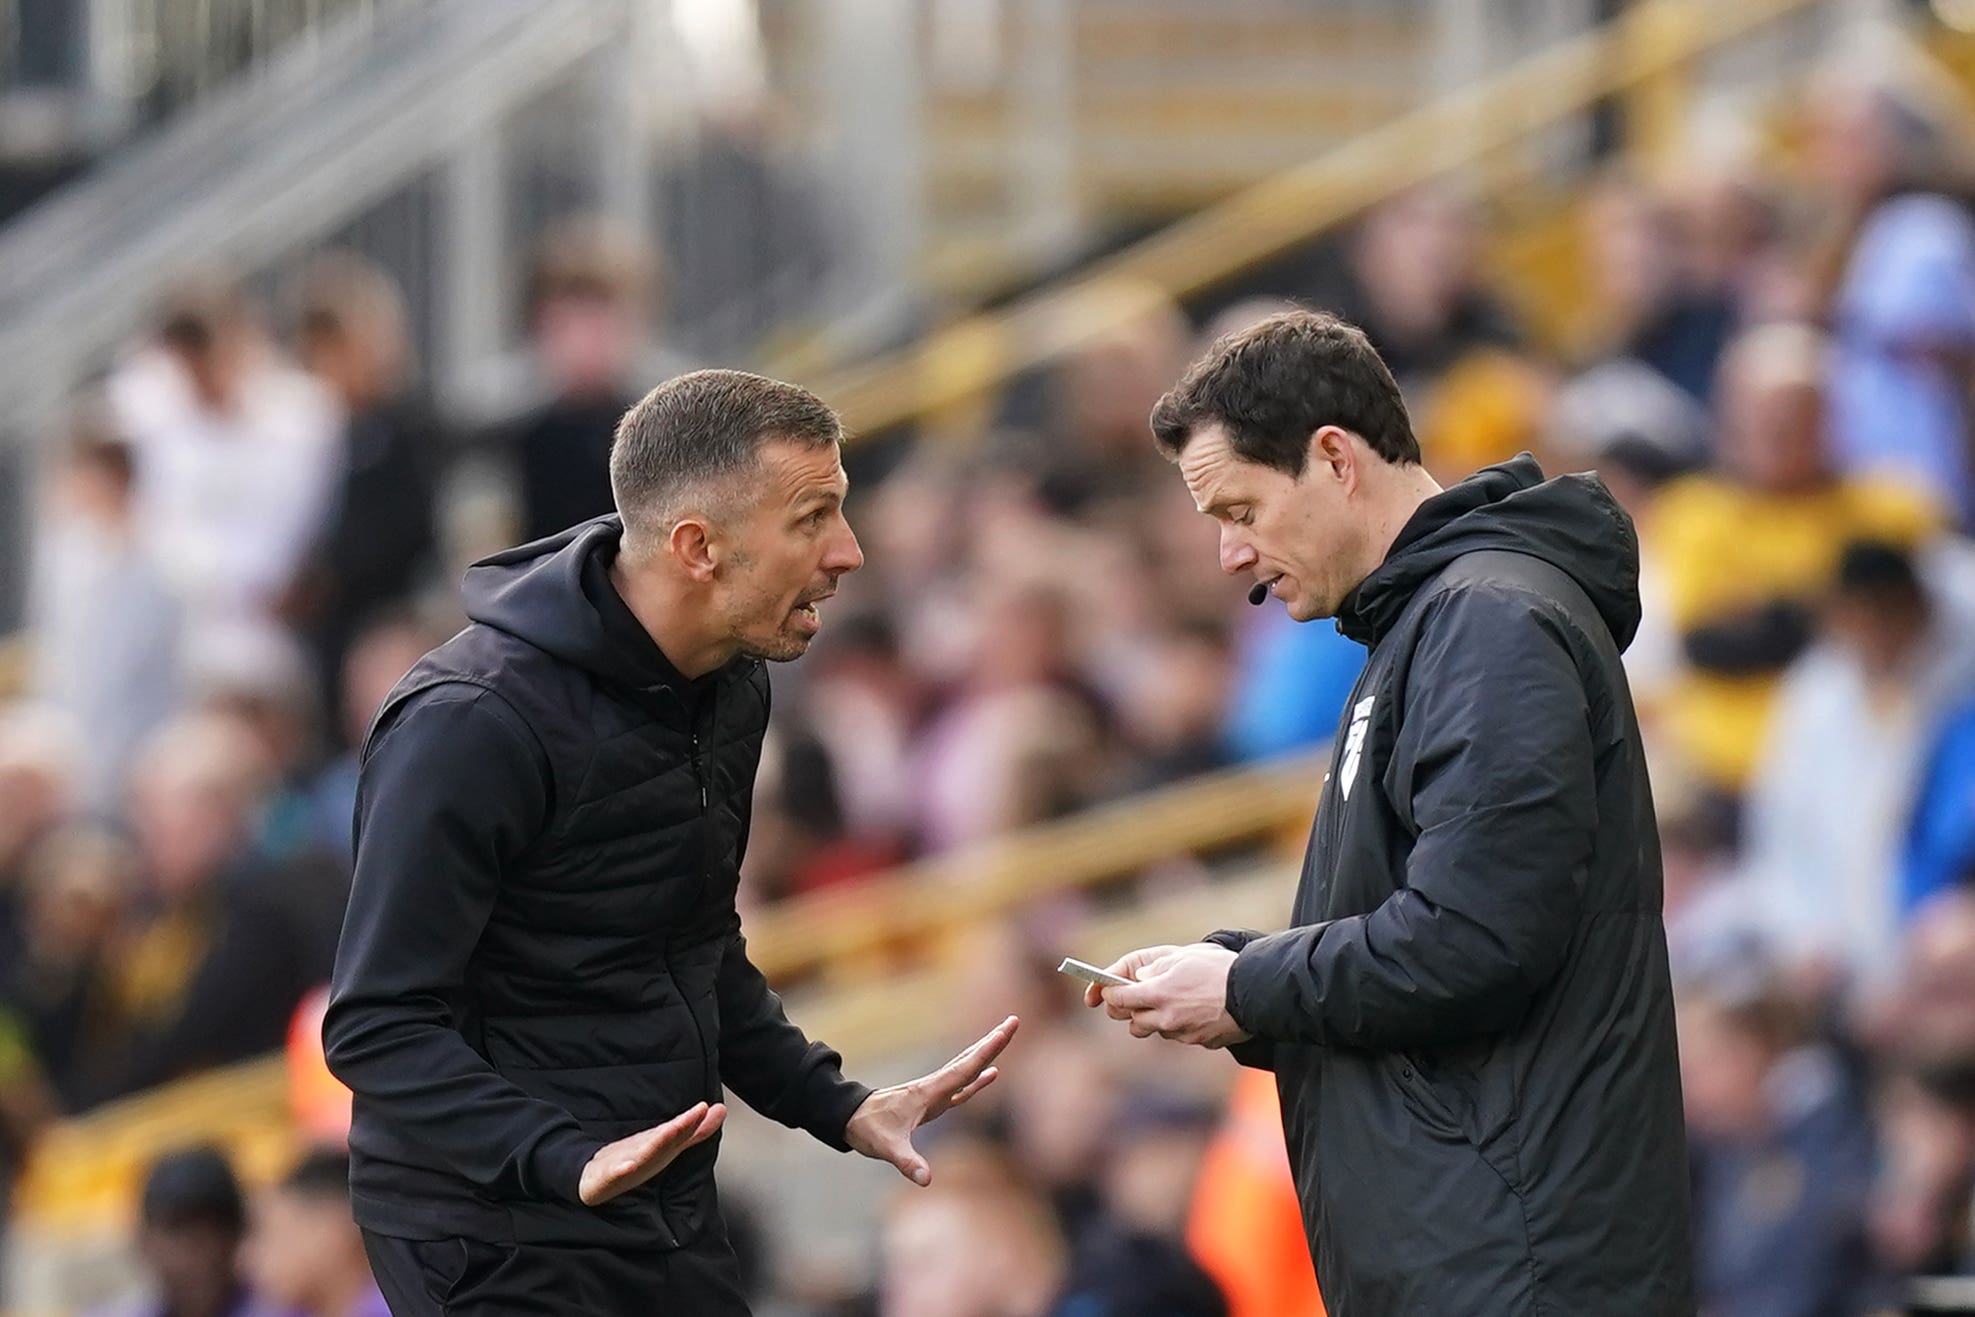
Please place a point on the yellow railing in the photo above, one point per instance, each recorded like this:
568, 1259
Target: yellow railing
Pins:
845, 932
957, 364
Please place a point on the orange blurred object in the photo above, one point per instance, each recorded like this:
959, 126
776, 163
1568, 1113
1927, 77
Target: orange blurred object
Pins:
317, 1099
1245, 1227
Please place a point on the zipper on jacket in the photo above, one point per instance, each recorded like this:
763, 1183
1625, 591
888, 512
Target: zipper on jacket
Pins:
708, 1047
699, 771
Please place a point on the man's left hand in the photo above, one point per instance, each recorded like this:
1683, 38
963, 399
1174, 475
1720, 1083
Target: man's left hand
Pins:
883, 1126
1181, 995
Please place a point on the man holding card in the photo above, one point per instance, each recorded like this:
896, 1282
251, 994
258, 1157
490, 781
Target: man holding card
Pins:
1470, 1020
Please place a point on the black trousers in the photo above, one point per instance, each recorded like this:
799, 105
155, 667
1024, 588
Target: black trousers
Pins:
469, 1278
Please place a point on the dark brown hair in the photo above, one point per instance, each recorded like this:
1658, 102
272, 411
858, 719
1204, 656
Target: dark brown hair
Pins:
1278, 382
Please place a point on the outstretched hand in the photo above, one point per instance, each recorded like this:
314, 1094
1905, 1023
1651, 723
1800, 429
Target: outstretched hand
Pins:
624, 1165
883, 1126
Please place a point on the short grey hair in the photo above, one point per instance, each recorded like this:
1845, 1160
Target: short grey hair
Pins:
701, 428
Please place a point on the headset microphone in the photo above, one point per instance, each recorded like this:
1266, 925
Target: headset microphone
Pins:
1257, 593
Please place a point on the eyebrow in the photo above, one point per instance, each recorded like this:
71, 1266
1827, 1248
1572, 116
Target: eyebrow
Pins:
1222, 504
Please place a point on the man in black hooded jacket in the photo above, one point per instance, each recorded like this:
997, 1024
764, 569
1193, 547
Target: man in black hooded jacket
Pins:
542, 987
1470, 1019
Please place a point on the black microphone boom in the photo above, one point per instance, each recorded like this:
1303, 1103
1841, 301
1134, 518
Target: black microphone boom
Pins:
1257, 593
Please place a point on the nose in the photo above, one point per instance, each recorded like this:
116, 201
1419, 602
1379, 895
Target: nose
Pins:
1237, 554
844, 554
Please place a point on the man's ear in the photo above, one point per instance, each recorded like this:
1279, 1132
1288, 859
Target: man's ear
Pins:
1333, 455
692, 545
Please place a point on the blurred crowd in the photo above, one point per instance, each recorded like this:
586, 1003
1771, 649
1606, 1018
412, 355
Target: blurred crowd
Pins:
251, 529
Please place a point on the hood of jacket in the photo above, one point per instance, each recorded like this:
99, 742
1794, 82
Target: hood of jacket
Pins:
1571, 522
556, 594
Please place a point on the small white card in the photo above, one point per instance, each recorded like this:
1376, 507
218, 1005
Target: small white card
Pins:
1077, 969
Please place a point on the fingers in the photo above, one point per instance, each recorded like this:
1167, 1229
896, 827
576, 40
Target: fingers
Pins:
629, 1162
986, 1077
963, 1069
910, 1164
674, 1131
709, 1124
661, 1143
1131, 997
1135, 965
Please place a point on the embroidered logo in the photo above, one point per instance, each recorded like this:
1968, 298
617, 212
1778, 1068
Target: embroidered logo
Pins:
1354, 743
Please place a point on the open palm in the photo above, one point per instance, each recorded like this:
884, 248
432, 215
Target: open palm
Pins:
883, 1127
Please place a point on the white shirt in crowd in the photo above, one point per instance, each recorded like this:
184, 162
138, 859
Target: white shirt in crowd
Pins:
228, 503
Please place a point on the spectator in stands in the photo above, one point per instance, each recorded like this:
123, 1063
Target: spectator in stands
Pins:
981, 1243
216, 964
304, 1251
590, 298
1940, 846
864, 700
1412, 281
1727, 212
978, 1243
381, 535
1061, 1109
1926, 1041
1655, 313
1902, 311
1783, 1150
79, 885
104, 623
192, 1220
236, 452
799, 841
1639, 431
1021, 742
258, 672
1099, 394
1828, 809
1172, 717
382, 652
1746, 550
1244, 1224
258, 675
40, 765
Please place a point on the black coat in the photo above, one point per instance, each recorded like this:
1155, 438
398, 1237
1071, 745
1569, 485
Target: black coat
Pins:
1471, 1022
542, 952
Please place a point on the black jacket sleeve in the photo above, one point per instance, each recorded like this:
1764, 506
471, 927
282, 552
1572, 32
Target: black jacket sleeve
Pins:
1256, 1053
450, 792
769, 1063
1495, 756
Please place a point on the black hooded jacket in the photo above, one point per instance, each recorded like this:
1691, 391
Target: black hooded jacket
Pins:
542, 952
1470, 1021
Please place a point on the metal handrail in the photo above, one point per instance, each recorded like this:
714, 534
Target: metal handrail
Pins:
984, 351
331, 124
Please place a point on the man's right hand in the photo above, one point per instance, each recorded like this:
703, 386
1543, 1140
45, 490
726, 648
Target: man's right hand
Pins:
624, 1165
